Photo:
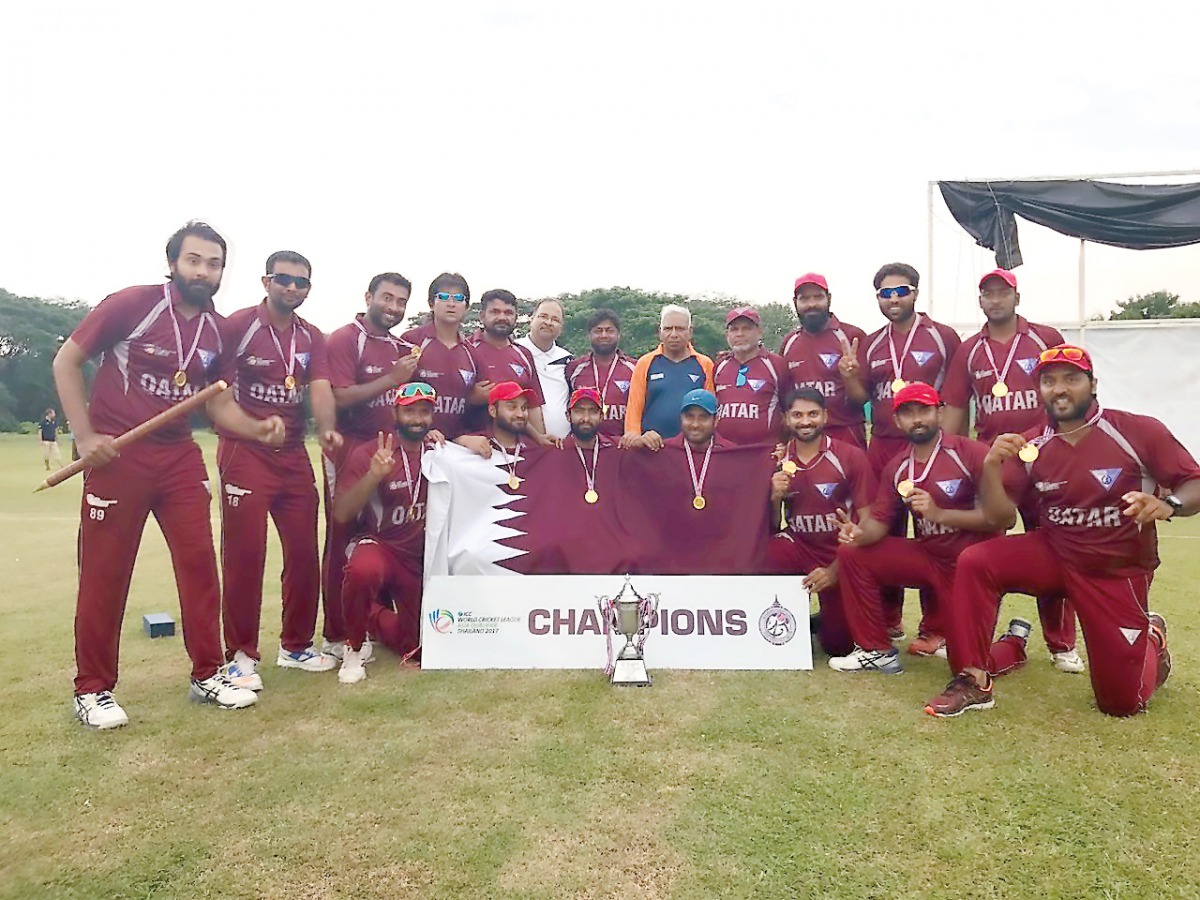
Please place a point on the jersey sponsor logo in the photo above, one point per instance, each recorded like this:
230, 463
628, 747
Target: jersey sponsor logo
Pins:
827, 489
375, 370
830, 359
99, 502
303, 359
795, 364
695, 378
257, 361
756, 384
950, 488
206, 357
655, 376
876, 363
520, 370
1091, 517
1131, 634
425, 373
467, 376
399, 485
1027, 364
153, 350
234, 494
1106, 477
981, 373
623, 386
1045, 486
922, 356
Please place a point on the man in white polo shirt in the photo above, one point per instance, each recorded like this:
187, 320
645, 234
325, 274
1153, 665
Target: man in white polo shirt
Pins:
551, 360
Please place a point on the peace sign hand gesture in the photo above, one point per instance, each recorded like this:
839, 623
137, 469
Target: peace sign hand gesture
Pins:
849, 531
381, 462
848, 364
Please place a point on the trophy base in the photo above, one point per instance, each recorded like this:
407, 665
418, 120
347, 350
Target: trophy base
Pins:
631, 673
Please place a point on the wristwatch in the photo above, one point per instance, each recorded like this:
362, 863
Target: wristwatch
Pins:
1175, 503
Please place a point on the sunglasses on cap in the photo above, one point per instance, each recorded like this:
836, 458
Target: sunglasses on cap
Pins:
901, 290
285, 281
1071, 354
446, 295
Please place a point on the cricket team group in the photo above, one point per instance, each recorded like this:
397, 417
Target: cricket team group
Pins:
1089, 483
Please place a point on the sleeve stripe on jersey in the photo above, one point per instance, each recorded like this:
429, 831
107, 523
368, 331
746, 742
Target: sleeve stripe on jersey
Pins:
1148, 482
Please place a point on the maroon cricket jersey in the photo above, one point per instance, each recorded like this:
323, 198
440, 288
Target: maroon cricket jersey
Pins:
929, 353
511, 362
952, 479
258, 362
839, 478
134, 333
972, 374
391, 516
1077, 490
611, 381
812, 361
359, 356
748, 398
452, 372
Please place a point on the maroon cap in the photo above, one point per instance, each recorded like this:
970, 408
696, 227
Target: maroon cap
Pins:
507, 390
916, 392
743, 312
1003, 274
1064, 354
811, 278
585, 393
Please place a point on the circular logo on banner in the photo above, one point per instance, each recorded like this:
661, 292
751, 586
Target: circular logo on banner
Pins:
777, 625
442, 621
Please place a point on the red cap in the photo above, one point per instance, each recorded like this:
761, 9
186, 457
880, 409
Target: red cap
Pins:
811, 278
916, 392
507, 390
743, 312
1064, 354
585, 393
1003, 274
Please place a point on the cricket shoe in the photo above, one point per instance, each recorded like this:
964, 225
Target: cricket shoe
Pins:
353, 668
307, 659
220, 690
1019, 628
1158, 634
337, 648
242, 671
896, 633
99, 711
885, 662
961, 694
1068, 661
928, 645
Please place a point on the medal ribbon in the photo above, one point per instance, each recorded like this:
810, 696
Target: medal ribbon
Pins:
413, 487
590, 476
928, 465
1002, 376
289, 361
801, 466
509, 465
897, 364
603, 390
698, 484
183, 362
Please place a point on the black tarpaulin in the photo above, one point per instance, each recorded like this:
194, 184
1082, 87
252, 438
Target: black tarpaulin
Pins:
1137, 217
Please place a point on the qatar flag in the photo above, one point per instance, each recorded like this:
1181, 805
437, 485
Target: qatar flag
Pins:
643, 522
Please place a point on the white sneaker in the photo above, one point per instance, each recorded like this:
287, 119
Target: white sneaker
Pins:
220, 690
1067, 661
99, 711
859, 660
353, 669
242, 671
337, 648
307, 659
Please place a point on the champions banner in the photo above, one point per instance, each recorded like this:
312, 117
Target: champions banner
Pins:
643, 521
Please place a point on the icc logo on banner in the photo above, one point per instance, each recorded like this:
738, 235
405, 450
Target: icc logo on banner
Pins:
777, 625
442, 621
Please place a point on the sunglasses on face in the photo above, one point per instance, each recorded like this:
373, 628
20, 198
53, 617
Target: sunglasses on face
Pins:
902, 290
1074, 354
445, 295
288, 280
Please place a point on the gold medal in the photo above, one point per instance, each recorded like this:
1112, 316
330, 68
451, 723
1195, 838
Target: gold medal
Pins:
415, 353
180, 378
290, 382
1028, 453
789, 467
698, 503
999, 389
905, 488
514, 482
897, 385
591, 496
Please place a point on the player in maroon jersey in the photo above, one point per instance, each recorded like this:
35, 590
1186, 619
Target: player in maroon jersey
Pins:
585, 412
275, 357
367, 366
606, 369
748, 381
1093, 475
823, 354
157, 344
818, 476
910, 347
936, 478
995, 369
383, 492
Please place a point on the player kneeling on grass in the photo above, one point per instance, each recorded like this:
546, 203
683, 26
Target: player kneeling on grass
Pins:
1092, 476
382, 489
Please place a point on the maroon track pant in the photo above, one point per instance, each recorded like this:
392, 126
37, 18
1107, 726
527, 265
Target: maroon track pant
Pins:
377, 579
337, 537
898, 563
786, 556
1122, 660
170, 481
256, 482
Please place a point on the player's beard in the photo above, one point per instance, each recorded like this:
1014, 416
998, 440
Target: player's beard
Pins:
414, 434
583, 431
198, 293
814, 320
921, 434
502, 331
378, 320
1074, 414
808, 438
604, 349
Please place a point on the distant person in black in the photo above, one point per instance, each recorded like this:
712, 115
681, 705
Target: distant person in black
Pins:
49, 430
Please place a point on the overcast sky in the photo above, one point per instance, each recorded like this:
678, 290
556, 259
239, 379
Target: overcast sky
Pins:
556, 147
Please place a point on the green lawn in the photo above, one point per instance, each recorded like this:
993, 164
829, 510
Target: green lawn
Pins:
485, 784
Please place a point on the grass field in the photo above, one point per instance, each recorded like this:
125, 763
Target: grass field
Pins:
484, 784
